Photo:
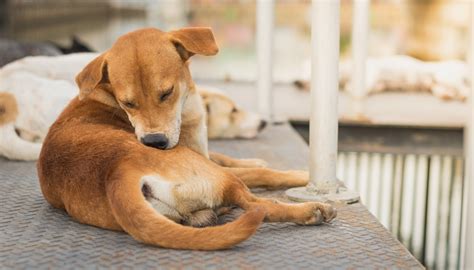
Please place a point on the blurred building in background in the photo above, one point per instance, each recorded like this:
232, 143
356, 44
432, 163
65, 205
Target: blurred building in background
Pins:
429, 30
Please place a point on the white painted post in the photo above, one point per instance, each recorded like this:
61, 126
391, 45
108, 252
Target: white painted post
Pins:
324, 108
360, 35
324, 93
467, 260
265, 20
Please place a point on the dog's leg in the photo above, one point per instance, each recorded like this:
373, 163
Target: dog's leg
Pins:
227, 161
271, 179
13, 147
309, 213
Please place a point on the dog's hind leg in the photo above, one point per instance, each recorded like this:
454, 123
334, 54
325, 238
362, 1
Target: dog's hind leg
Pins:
14, 147
269, 178
227, 161
309, 213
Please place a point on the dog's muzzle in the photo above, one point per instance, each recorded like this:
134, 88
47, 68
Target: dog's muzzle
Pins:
156, 140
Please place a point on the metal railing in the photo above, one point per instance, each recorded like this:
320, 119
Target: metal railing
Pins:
324, 185
417, 197
324, 92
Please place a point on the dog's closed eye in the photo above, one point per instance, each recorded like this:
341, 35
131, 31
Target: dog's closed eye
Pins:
166, 94
129, 104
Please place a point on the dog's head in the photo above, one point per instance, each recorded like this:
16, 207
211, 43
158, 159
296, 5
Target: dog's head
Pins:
146, 74
226, 120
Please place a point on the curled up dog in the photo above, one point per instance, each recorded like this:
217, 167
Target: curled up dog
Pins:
130, 152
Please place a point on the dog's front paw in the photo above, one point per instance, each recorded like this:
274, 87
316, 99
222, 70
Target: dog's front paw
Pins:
319, 213
252, 163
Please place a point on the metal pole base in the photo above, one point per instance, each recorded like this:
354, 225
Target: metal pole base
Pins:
305, 194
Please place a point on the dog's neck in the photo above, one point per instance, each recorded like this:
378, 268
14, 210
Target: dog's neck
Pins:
193, 126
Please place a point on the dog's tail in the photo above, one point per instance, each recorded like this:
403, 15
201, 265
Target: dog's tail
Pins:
143, 223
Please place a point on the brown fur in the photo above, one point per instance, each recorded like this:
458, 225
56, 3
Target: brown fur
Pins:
93, 166
8, 108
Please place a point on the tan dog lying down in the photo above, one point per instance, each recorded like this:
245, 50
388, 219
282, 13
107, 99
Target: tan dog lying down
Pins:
129, 153
225, 120
36, 90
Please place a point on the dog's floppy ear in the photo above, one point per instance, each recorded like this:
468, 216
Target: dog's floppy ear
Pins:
94, 74
194, 40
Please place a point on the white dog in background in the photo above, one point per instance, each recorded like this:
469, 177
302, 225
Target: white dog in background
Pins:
34, 91
448, 80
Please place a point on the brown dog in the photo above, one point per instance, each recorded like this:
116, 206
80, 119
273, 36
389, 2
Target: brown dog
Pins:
101, 164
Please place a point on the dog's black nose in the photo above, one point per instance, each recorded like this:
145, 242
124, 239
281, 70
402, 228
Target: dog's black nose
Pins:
262, 125
157, 140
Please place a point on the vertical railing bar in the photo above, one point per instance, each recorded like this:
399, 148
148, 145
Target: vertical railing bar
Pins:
363, 175
455, 216
434, 184
386, 191
357, 163
375, 183
324, 93
420, 206
360, 36
443, 211
324, 107
467, 248
396, 191
265, 21
407, 200
449, 212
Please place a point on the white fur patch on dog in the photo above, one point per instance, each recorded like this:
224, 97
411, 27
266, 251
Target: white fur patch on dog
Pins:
179, 199
160, 188
161, 196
